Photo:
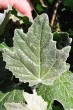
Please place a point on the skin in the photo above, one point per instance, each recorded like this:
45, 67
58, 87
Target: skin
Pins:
23, 6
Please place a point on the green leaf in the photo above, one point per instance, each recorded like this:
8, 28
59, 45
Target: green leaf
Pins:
4, 17
3, 45
14, 96
51, 1
68, 3
34, 102
35, 58
39, 8
62, 39
62, 91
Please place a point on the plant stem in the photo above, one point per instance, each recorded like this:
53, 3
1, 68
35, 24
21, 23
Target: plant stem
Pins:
54, 12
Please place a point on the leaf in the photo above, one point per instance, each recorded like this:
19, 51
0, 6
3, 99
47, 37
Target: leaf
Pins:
35, 58
3, 45
16, 106
14, 96
34, 102
62, 39
51, 1
39, 8
15, 18
4, 17
68, 3
62, 91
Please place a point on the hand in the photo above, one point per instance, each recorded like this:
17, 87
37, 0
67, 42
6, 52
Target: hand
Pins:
23, 6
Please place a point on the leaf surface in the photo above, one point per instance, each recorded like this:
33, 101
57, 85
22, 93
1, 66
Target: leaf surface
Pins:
16, 106
62, 91
34, 102
14, 96
35, 57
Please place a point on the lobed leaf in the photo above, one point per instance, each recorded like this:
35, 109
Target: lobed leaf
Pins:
62, 91
35, 58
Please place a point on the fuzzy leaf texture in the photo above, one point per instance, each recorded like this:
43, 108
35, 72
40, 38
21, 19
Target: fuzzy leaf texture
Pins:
13, 96
62, 91
35, 58
34, 102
